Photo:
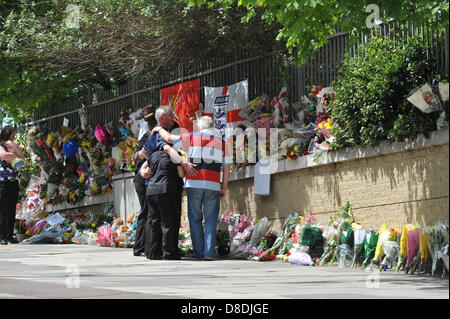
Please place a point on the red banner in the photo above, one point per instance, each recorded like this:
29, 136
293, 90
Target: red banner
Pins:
186, 98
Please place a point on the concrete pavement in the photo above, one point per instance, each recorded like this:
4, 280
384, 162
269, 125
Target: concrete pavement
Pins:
93, 272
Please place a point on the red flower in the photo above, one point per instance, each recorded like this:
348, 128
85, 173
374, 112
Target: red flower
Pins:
49, 153
317, 90
291, 153
39, 142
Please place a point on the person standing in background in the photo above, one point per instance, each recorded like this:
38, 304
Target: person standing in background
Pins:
140, 184
9, 186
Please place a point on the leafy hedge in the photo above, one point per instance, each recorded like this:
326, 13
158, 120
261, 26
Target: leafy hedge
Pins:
372, 89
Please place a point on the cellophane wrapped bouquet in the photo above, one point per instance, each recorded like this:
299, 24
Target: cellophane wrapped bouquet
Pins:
387, 237
359, 236
343, 251
370, 245
438, 238
330, 235
281, 244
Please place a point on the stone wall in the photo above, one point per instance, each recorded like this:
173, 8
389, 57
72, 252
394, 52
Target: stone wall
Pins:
393, 183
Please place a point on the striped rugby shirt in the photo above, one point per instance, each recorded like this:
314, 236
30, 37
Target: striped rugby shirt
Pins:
207, 150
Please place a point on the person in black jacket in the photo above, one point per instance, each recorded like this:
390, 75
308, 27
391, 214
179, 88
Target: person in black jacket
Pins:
163, 190
164, 206
140, 184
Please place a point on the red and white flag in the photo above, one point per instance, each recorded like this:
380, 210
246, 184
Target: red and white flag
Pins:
224, 104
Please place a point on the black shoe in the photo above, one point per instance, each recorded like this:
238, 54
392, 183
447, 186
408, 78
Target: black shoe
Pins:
12, 240
3, 242
138, 254
172, 258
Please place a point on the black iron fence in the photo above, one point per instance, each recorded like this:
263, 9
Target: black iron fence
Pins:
265, 74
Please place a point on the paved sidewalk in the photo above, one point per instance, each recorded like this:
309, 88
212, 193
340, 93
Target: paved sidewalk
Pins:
93, 272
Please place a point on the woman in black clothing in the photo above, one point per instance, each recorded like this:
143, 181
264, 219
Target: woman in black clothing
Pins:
9, 186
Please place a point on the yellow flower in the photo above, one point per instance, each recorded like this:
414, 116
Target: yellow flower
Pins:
85, 144
73, 197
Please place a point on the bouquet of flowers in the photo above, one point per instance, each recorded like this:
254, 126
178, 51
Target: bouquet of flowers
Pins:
370, 245
52, 195
280, 243
315, 90
237, 223
422, 257
184, 238
106, 236
264, 245
305, 110
384, 236
391, 249
66, 237
293, 152
125, 237
330, 235
359, 235
128, 155
413, 249
438, 238
344, 249
261, 228
325, 97
239, 243
311, 236
185, 243
403, 252
48, 234
38, 144
324, 124
345, 221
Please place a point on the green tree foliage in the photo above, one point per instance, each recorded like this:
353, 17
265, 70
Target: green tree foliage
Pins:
307, 24
56, 50
371, 93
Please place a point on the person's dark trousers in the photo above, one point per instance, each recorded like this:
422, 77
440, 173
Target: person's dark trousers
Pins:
9, 193
139, 243
164, 217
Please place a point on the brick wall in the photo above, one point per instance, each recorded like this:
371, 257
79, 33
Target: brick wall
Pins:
396, 187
